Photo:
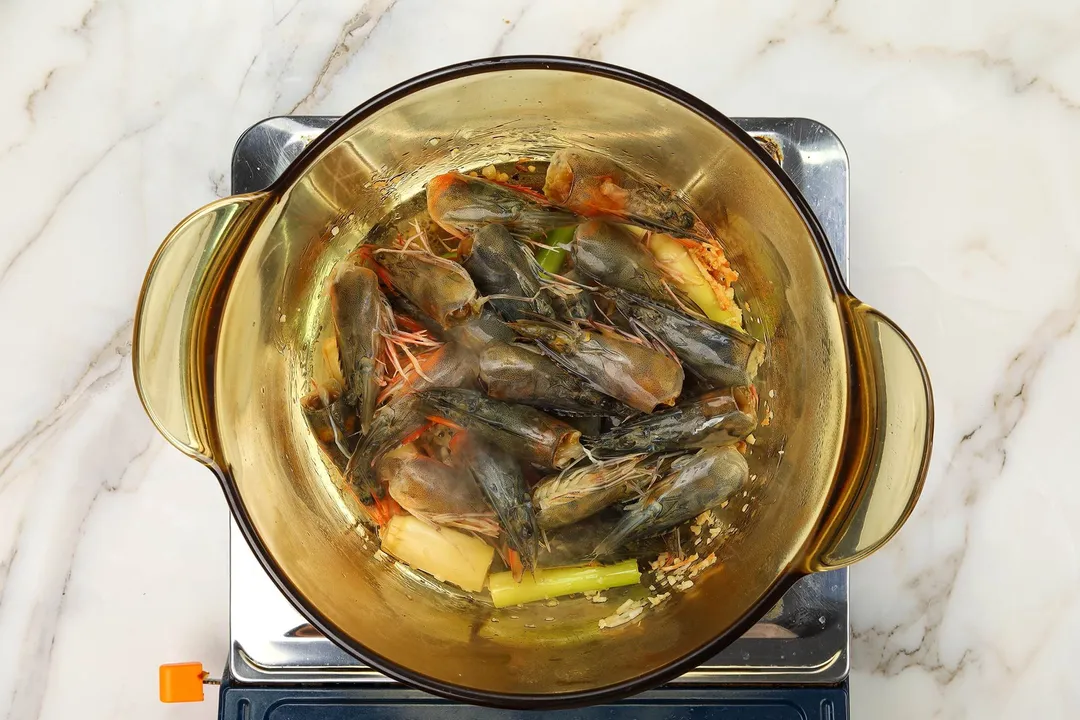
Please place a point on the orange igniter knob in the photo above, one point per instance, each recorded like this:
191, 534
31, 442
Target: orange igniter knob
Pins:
181, 682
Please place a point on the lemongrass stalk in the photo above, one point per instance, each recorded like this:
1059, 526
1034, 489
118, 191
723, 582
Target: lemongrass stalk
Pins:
548, 583
552, 257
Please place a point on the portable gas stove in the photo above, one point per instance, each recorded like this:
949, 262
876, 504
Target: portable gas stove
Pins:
794, 664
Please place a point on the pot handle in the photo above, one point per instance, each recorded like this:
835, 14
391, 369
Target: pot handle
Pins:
887, 442
169, 346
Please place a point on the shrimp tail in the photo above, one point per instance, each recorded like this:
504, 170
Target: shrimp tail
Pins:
634, 521
517, 568
380, 510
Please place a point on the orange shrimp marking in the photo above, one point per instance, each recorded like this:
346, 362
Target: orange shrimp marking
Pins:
445, 422
439, 184
415, 434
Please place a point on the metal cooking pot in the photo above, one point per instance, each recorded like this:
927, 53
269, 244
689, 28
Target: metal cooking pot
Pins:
234, 305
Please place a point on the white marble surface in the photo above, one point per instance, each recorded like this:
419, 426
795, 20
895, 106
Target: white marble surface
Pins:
962, 120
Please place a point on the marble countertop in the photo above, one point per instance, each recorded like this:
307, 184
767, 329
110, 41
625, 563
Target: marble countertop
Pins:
961, 120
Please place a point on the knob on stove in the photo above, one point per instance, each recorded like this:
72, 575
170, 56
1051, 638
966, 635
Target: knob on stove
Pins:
183, 682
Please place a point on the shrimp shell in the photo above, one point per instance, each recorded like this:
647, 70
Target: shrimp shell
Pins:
714, 352
449, 365
613, 256
391, 424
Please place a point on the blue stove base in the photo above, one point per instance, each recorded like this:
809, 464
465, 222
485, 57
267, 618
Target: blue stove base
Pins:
394, 702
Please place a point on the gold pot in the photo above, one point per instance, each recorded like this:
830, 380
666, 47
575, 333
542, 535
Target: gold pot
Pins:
234, 303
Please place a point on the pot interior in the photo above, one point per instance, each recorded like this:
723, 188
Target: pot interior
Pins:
275, 316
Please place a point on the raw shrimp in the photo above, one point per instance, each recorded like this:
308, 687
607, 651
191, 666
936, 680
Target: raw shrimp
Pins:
439, 493
524, 431
630, 371
449, 365
580, 492
694, 484
391, 424
720, 417
504, 269
716, 353
594, 185
516, 373
362, 319
461, 204
439, 287
612, 256
502, 483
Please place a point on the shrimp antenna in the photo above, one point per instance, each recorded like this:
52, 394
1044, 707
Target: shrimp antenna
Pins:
420, 235
619, 332
572, 467
403, 251
656, 340
526, 240
505, 296
602, 312
592, 458
565, 280
537, 317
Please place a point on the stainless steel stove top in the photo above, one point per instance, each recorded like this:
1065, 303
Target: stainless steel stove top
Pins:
805, 640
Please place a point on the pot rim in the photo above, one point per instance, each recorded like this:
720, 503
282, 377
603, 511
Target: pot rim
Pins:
532, 701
